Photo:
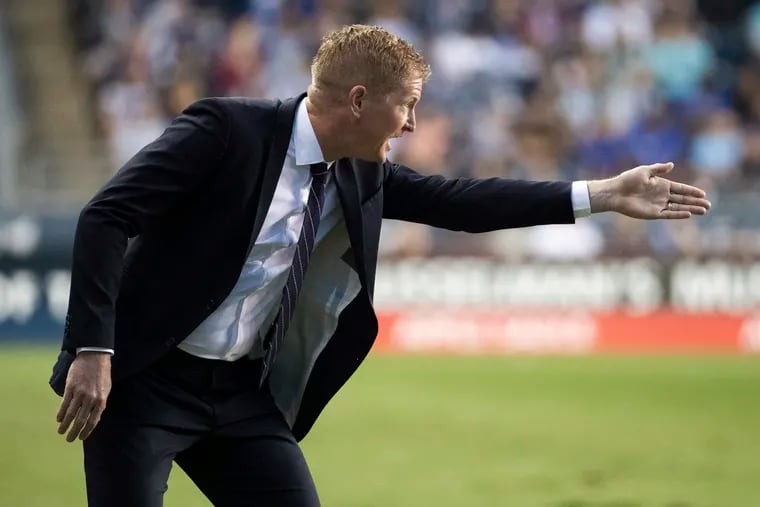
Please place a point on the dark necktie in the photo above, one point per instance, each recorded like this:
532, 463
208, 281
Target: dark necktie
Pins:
276, 334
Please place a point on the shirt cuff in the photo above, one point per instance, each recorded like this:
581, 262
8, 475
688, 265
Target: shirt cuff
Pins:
94, 349
580, 198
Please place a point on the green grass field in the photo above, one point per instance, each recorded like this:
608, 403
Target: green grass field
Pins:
469, 431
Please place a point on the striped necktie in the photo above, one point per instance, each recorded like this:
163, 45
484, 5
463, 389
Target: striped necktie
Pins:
276, 334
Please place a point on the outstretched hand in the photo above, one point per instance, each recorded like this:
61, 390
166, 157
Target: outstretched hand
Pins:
643, 193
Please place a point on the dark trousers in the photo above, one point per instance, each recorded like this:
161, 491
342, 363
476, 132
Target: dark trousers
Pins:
211, 418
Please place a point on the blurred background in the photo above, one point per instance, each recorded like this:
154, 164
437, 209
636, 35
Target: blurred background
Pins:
602, 330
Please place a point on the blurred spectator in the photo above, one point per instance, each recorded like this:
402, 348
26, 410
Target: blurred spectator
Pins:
661, 132
131, 112
679, 58
539, 89
391, 14
718, 146
240, 65
607, 26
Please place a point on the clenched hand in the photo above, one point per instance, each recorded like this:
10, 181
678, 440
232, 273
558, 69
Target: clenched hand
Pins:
87, 387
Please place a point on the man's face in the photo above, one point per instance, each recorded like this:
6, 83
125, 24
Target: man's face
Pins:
386, 117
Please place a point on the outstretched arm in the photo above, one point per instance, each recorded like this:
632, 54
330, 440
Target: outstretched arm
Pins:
479, 205
473, 205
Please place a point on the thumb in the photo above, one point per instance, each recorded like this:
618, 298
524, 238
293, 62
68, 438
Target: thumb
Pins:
660, 169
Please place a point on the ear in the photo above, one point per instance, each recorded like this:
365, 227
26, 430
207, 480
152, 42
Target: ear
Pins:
356, 96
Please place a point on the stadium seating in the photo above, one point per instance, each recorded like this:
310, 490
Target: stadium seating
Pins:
539, 90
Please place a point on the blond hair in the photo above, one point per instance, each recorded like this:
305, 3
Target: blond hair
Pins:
367, 55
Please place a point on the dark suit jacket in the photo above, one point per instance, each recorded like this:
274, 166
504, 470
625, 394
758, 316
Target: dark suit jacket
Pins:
160, 246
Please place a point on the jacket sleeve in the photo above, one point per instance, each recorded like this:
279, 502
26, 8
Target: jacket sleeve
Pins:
473, 205
151, 184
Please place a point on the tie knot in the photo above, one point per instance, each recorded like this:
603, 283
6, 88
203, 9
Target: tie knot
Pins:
318, 169
319, 174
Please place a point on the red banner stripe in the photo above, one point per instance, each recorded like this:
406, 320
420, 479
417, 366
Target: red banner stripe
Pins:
465, 331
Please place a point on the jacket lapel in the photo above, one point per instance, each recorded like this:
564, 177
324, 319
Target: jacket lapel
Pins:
348, 191
360, 189
278, 150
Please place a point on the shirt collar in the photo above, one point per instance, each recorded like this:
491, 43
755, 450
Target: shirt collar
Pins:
304, 139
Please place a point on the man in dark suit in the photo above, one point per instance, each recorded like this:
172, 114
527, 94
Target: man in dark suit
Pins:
223, 279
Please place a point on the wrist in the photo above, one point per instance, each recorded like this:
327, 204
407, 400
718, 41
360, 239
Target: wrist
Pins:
95, 355
602, 195
79, 350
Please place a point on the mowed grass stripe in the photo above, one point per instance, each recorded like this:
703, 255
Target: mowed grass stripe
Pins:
470, 431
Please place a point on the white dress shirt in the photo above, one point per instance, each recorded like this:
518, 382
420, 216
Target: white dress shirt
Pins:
234, 329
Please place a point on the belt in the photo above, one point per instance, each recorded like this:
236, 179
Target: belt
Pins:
208, 374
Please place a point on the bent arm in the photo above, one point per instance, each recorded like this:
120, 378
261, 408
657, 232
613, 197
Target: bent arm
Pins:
474, 205
151, 184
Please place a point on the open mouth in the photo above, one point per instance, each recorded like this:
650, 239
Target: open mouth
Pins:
388, 145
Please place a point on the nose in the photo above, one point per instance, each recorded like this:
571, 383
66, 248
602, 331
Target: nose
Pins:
411, 122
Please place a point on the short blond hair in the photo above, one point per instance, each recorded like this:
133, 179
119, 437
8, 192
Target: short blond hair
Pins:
368, 55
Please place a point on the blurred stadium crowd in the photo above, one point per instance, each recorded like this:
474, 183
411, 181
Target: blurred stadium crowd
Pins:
537, 89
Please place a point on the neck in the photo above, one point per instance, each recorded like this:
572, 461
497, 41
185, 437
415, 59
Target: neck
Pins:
332, 138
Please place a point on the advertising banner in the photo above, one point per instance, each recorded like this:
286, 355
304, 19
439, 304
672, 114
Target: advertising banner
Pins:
35, 257
562, 332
